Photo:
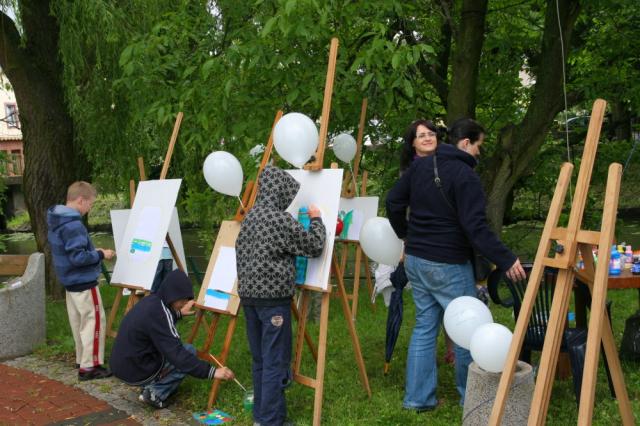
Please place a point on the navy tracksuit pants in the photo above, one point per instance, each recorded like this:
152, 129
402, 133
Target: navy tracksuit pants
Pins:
269, 334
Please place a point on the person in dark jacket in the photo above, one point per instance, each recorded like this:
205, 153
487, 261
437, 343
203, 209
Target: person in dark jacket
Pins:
77, 266
148, 351
444, 224
266, 248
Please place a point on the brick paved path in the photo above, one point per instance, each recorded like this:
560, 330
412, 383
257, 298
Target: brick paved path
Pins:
32, 399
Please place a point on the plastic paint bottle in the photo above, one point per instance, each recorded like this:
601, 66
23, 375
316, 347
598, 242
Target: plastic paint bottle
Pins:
301, 261
614, 263
628, 258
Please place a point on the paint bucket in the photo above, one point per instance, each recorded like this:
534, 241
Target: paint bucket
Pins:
247, 401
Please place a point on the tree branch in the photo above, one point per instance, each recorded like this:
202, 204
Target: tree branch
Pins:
12, 57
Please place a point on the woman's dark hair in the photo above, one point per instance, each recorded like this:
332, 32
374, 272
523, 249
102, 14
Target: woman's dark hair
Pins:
408, 151
464, 128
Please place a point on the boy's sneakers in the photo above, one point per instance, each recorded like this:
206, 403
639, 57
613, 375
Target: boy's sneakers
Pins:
98, 372
151, 399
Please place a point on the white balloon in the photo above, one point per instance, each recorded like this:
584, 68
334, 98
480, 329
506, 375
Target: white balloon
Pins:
380, 242
463, 316
490, 346
223, 173
344, 146
295, 138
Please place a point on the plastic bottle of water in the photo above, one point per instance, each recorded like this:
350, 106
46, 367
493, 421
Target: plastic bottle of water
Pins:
614, 263
301, 261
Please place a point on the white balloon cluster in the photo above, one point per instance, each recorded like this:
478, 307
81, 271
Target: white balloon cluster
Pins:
379, 241
295, 138
470, 325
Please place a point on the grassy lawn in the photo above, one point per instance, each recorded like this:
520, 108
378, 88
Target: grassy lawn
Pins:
345, 401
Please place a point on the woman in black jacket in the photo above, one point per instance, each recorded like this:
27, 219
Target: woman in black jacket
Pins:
446, 220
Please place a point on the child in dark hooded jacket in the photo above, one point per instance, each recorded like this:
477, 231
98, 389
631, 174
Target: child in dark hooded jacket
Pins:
266, 248
148, 351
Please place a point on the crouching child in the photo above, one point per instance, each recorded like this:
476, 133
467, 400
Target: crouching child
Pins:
148, 352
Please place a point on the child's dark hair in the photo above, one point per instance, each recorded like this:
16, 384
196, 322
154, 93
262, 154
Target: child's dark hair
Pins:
408, 151
464, 128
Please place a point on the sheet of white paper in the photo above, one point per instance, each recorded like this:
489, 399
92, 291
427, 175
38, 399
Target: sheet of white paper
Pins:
363, 209
224, 271
321, 188
119, 220
147, 227
216, 300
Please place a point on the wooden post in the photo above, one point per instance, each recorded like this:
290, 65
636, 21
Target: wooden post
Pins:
326, 107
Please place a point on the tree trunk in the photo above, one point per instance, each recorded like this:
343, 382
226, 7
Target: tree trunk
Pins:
621, 121
469, 38
519, 144
51, 163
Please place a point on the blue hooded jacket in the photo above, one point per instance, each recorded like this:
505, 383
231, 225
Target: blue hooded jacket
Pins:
76, 261
148, 337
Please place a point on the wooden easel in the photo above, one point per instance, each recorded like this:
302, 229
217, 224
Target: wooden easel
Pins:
570, 240
317, 382
133, 297
349, 191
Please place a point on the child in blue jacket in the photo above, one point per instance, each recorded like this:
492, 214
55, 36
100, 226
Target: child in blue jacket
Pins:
77, 266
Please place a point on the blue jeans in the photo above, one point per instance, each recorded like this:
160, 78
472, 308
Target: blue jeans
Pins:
162, 270
169, 379
269, 334
434, 286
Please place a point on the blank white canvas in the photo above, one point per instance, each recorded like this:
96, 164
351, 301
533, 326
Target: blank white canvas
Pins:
224, 273
321, 188
364, 208
119, 219
146, 230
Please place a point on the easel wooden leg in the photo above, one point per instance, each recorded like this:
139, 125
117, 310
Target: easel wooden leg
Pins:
599, 326
307, 337
352, 331
322, 356
551, 348
196, 326
226, 346
113, 312
356, 282
529, 298
367, 273
301, 331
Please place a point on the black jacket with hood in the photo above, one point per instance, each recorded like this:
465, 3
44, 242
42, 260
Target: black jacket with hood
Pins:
269, 241
435, 230
148, 337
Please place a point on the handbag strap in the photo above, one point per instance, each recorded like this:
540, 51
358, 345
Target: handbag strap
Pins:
438, 183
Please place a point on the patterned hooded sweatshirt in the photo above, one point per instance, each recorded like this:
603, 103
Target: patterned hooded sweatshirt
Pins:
269, 241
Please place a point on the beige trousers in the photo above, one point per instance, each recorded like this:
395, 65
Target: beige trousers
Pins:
88, 325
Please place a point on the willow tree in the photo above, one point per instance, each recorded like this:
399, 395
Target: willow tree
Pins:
29, 58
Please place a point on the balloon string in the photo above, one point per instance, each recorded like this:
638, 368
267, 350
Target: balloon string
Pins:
240, 200
353, 178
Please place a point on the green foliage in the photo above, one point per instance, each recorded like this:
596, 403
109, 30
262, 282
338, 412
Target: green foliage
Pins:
229, 66
19, 222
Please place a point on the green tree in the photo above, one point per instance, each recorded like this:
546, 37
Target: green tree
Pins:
29, 58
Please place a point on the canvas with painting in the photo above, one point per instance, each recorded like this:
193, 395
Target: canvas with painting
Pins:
145, 233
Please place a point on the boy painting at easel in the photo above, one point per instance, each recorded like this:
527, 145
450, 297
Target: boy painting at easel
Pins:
266, 249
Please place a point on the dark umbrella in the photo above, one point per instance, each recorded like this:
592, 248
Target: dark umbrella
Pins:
394, 316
